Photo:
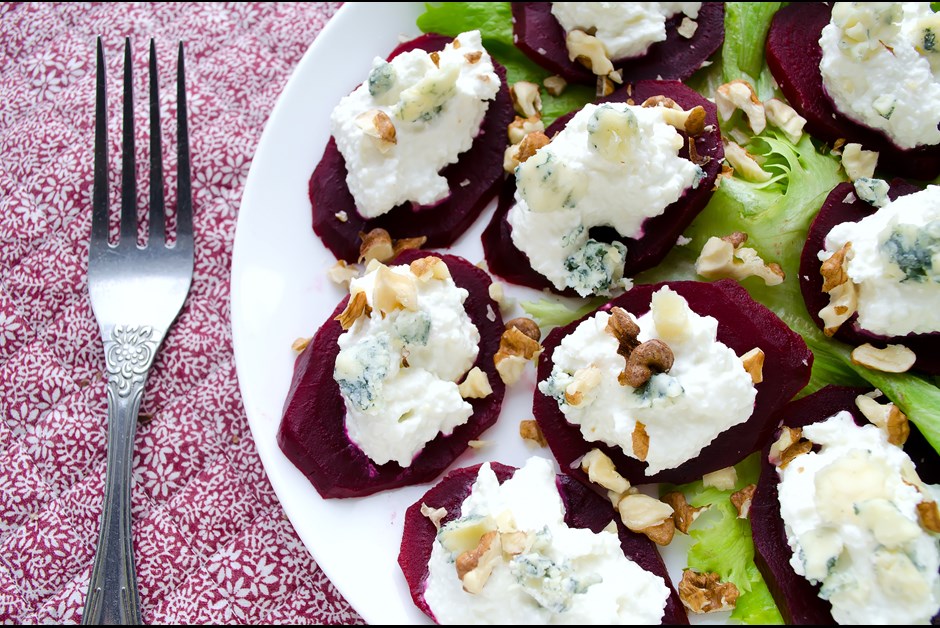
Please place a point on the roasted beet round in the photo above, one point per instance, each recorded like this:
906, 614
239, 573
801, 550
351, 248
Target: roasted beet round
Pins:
539, 35
797, 599
659, 233
836, 210
312, 433
743, 324
583, 509
474, 180
793, 56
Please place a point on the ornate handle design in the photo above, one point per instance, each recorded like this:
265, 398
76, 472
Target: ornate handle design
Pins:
112, 590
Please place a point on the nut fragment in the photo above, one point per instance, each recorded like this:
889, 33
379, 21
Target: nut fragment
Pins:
526, 98
742, 500
687, 27
585, 380
527, 326
589, 52
601, 471
342, 273
691, 121
473, 57
515, 350
661, 534
843, 302
434, 514
376, 245
891, 359
377, 125
555, 85
788, 446
683, 514
722, 479
647, 515
300, 344
652, 356
859, 163
929, 516
475, 566
753, 362
511, 158
520, 127
641, 442
530, 144
476, 385
529, 430
407, 244
393, 291
605, 87
785, 118
622, 327
357, 306
739, 94
428, 268
743, 162
705, 593
834, 270
888, 417
720, 258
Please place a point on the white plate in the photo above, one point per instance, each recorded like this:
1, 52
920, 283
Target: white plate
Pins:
280, 292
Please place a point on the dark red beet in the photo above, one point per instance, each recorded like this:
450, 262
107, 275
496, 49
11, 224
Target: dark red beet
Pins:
793, 56
312, 433
442, 223
540, 36
836, 211
797, 599
583, 509
742, 325
660, 233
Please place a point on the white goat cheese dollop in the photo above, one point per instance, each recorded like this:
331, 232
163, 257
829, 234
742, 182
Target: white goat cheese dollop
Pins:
436, 111
393, 411
627, 29
895, 261
553, 575
706, 392
613, 165
850, 515
881, 68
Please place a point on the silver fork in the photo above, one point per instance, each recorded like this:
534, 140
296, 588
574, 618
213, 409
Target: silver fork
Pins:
136, 294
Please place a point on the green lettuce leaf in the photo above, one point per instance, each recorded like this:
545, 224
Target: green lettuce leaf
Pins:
723, 544
550, 313
494, 21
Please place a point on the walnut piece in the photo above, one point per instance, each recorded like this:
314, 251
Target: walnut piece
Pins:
520, 127
891, 359
428, 268
393, 291
722, 479
358, 305
785, 118
721, 259
929, 516
888, 417
687, 27
601, 471
649, 516
476, 385
526, 98
742, 500
705, 593
834, 270
739, 94
683, 514
641, 442
475, 566
555, 85
342, 273
753, 362
377, 125
788, 446
589, 52
515, 350
300, 344
435, 515
585, 380
530, 431
376, 245
858, 163
692, 122
530, 144
744, 162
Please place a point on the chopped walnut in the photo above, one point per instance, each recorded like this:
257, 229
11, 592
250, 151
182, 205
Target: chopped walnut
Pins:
888, 417
753, 362
515, 350
476, 385
929, 516
605, 87
520, 127
435, 515
687, 27
393, 291
358, 305
858, 163
891, 359
407, 244
744, 162
788, 446
473, 57
585, 380
647, 515
530, 145
428, 268
742, 500
641, 442
526, 98
683, 514
691, 121
601, 471
342, 273
555, 85
722, 479
511, 158
739, 94
300, 344
530, 431
376, 245
720, 259
475, 566
834, 270
435, 59
589, 52
377, 125
785, 118
705, 593
843, 303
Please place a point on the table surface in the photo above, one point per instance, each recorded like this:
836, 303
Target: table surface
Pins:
211, 541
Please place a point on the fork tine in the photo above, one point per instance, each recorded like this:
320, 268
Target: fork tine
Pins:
100, 202
157, 215
128, 160
184, 212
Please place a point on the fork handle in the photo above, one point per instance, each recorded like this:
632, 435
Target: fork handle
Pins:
112, 590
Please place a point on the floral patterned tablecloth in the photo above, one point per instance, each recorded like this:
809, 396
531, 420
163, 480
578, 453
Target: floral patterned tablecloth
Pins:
211, 541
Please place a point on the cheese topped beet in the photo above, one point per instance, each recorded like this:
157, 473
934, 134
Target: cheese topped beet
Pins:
865, 73
492, 544
643, 40
867, 272
610, 194
398, 381
416, 149
670, 381
845, 528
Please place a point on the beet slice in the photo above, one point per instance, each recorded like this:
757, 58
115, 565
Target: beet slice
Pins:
743, 324
835, 211
312, 433
660, 232
474, 180
539, 35
793, 56
797, 599
583, 509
